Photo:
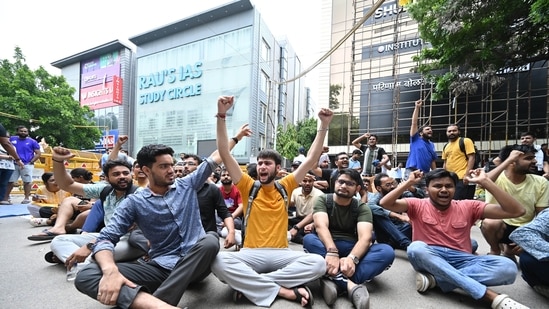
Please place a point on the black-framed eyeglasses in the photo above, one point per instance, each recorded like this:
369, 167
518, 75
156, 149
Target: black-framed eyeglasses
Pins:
346, 182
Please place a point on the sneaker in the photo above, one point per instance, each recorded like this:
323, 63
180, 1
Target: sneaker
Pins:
424, 282
360, 297
25, 201
38, 221
5, 203
329, 291
503, 301
542, 289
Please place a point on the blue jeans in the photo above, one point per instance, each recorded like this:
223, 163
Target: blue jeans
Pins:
454, 269
4, 180
378, 258
534, 272
396, 234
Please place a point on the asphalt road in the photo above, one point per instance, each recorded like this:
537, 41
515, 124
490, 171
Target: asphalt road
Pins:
30, 282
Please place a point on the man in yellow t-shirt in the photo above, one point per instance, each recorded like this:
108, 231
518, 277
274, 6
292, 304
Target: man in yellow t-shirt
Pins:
459, 162
514, 176
265, 267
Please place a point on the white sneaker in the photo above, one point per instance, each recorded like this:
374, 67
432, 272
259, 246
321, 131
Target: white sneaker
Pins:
424, 282
503, 301
38, 221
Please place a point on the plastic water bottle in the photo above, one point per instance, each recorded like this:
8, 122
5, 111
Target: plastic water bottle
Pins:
72, 272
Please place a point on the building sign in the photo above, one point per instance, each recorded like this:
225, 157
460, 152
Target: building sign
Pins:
99, 76
387, 12
100, 82
152, 87
108, 139
389, 48
101, 96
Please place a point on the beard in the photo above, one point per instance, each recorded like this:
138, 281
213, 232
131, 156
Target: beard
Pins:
121, 185
269, 179
344, 194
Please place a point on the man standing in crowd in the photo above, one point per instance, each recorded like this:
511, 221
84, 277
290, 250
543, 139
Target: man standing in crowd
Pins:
328, 176
29, 152
266, 267
5, 173
514, 176
354, 161
459, 161
441, 248
303, 199
542, 164
533, 238
374, 157
422, 150
343, 236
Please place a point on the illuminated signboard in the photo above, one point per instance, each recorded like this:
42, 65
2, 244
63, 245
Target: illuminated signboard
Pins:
100, 82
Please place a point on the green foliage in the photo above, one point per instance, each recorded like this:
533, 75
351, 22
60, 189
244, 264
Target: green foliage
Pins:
335, 91
339, 129
475, 39
290, 139
44, 104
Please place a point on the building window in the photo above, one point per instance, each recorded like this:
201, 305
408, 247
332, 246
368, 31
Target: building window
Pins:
262, 142
263, 113
264, 82
265, 51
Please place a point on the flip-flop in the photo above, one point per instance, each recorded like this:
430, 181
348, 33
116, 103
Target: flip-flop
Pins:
51, 258
299, 297
49, 236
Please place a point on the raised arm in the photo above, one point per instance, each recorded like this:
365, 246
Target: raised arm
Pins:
325, 115
65, 182
122, 139
513, 157
508, 206
415, 116
224, 103
356, 141
391, 200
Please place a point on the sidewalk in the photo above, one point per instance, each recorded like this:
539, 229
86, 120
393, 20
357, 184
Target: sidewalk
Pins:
30, 282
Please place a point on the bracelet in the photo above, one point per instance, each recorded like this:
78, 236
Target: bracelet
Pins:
219, 115
332, 254
57, 161
235, 140
332, 250
295, 227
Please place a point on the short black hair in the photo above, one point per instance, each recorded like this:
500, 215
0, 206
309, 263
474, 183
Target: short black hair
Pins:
252, 170
377, 179
192, 156
523, 134
440, 173
114, 163
506, 150
82, 172
353, 174
46, 176
270, 154
341, 153
147, 154
357, 151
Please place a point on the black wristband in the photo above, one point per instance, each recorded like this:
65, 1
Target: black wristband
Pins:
57, 161
295, 227
235, 140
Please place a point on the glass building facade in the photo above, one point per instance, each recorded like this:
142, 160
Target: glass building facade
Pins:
374, 69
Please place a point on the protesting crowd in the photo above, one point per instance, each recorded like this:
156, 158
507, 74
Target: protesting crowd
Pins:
155, 225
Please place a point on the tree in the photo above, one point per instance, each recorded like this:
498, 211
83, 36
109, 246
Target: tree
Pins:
45, 104
290, 139
335, 91
475, 39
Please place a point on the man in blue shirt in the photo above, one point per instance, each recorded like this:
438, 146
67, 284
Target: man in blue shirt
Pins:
422, 150
29, 151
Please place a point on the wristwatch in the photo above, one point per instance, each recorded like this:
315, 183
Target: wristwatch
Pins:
90, 246
354, 258
295, 227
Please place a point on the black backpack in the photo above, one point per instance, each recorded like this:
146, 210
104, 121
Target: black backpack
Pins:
478, 159
253, 194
